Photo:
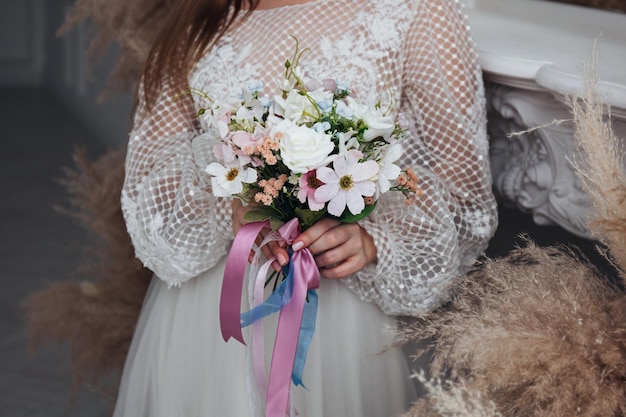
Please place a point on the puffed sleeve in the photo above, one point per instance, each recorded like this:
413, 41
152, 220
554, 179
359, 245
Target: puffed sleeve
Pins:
423, 247
178, 228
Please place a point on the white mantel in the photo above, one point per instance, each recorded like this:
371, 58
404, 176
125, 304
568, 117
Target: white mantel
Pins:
531, 52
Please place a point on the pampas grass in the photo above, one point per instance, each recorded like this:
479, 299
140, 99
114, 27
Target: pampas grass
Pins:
537, 332
601, 165
540, 332
95, 314
449, 400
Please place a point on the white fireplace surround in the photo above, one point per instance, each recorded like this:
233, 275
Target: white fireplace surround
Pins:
531, 52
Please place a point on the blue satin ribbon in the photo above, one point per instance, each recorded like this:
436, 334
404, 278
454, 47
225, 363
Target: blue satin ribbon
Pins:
307, 328
274, 303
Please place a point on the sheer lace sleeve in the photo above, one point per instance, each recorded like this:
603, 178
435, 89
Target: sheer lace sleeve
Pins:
423, 247
178, 228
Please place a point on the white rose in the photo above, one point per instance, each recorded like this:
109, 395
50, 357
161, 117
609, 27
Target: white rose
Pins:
297, 108
302, 149
377, 124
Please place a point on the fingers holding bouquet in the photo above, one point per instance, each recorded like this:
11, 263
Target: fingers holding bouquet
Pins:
340, 249
271, 249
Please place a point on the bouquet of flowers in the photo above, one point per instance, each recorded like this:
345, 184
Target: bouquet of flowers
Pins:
312, 152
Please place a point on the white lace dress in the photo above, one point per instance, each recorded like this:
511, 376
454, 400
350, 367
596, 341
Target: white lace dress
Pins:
417, 53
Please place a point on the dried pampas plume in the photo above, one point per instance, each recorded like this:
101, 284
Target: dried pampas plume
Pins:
540, 332
95, 316
132, 25
601, 165
450, 400
537, 332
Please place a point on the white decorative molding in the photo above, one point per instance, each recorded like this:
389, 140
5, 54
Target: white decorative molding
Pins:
530, 60
533, 171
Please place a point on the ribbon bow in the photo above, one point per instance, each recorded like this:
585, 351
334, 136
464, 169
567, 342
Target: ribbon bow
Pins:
296, 322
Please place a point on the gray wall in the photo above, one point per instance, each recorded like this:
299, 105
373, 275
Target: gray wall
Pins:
32, 56
21, 42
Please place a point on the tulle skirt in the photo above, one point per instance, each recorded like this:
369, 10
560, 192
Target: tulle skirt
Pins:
179, 365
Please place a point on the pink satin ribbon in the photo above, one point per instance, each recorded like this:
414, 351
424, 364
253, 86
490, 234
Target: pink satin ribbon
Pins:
230, 298
258, 345
306, 276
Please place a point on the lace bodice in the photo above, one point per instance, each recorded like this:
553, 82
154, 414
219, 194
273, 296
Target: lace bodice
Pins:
417, 53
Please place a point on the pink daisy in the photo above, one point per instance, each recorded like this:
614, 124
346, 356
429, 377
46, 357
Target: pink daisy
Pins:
346, 183
308, 183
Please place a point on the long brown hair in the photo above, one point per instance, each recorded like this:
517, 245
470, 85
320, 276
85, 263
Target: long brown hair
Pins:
189, 31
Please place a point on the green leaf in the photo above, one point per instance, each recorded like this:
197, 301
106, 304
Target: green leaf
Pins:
276, 223
258, 215
264, 213
348, 217
308, 217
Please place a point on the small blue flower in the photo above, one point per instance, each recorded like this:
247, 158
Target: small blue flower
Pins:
343, 85
321, 127
255, 86
343, 110
265, 101
325, 105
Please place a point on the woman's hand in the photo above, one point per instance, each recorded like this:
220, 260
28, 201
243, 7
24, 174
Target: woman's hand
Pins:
340, 249
269, 250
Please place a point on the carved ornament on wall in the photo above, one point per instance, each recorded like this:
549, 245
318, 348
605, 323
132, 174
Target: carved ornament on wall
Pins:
532, 171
